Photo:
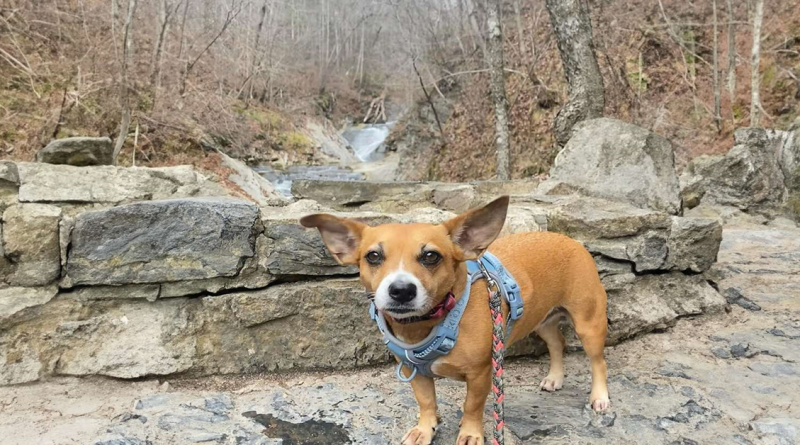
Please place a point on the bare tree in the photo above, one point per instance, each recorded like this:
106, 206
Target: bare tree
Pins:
755, 101
230, 15
167, 11
717, 106
124, 93
494, 52
731, 54
520, 29
573, 29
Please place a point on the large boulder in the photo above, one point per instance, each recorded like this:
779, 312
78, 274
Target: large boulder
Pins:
161, 241
611, 159
81, 151
48, 183
30, 253
751, 176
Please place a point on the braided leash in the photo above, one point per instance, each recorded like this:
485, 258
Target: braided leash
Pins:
498, 351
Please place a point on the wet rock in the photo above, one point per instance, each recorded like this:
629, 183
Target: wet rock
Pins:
615, 160
733, 295
158, 241
78, 151
31, 245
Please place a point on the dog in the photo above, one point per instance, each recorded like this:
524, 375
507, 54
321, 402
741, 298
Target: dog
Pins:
413, 268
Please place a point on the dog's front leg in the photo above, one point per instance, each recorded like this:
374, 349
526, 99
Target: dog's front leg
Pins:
425, 393
478, 386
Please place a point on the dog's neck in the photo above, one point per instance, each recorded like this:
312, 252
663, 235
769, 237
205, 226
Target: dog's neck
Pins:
416, 332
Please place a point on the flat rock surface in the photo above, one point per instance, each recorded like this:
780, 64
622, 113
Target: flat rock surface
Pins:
730, 378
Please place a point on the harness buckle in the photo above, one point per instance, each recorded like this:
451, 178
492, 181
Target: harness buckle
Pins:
446, 345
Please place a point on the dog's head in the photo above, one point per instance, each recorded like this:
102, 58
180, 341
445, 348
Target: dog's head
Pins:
410, 267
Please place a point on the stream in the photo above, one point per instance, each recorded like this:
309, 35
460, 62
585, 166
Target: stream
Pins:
365, 140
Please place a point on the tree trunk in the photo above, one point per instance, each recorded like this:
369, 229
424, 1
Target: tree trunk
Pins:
158, 51
520, 30
473, 22
717, 105
494, 51
731, 54
124, 100
573, 28
755, 102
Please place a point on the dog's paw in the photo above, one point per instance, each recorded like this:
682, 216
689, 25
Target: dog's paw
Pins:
470, 438
418, 436
601, 404
552, 383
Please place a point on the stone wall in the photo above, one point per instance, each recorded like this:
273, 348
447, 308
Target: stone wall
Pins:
131, 272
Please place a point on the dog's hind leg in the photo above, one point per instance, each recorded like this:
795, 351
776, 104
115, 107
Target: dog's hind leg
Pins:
550, 333
591, 325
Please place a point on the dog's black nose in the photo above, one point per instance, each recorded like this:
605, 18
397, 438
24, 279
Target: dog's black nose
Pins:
402, 292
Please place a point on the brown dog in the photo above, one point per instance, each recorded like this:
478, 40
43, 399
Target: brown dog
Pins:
411, 268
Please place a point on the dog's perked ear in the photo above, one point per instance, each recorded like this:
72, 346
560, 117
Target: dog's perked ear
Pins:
341, 236
476, 229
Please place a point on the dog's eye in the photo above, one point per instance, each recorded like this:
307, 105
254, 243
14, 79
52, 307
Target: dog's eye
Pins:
373, 257
430, 258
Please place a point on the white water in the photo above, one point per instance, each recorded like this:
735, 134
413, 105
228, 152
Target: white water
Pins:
367, 143
367, 140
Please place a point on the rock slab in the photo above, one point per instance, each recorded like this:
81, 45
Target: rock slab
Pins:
80, 151
162, 241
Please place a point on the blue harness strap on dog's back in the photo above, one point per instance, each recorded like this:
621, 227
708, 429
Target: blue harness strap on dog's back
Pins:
419, 357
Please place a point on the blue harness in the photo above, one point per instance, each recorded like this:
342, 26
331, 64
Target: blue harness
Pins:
419, 357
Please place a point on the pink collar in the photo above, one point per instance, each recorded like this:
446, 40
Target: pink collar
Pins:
438, 311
